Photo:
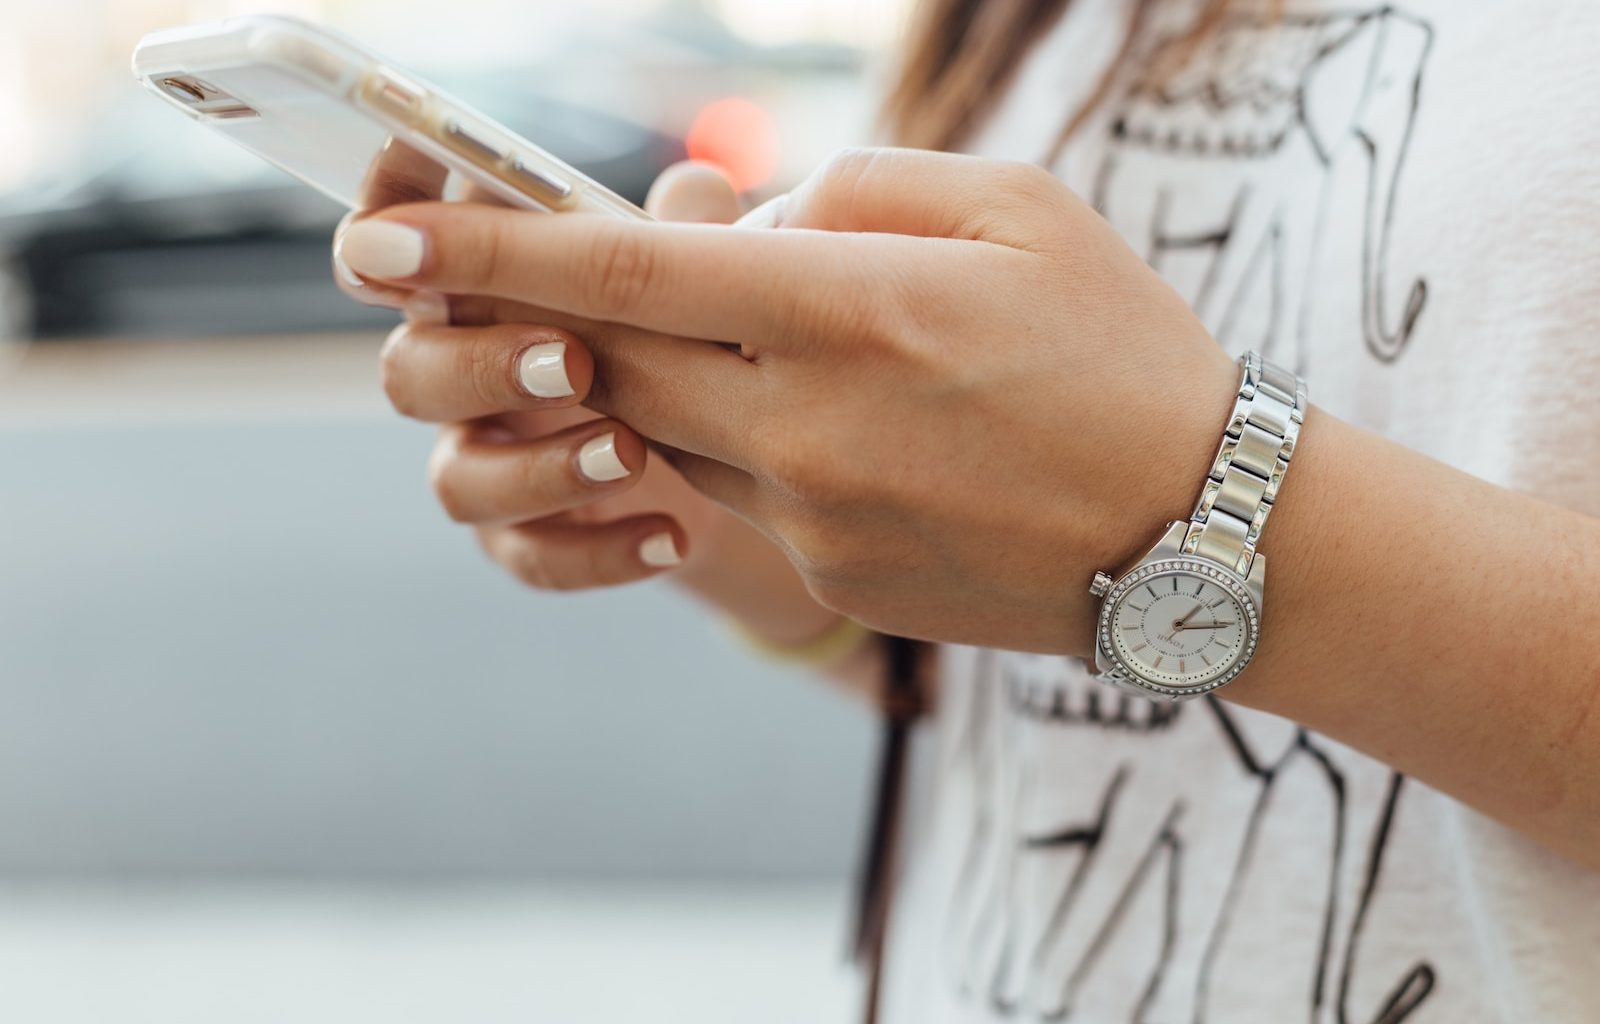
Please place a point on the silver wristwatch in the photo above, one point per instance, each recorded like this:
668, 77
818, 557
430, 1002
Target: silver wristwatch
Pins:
1187, 617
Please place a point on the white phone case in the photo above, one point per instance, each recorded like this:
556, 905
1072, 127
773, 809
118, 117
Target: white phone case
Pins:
349, 124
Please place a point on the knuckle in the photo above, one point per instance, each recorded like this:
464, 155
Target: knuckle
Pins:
1028, 181
530, 565
830, 195
621, 270
447, 485
871, 313
484, 367
489, 256
392, 367
844, 168
548, 476
448, 494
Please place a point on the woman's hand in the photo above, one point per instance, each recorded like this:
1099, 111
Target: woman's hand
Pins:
967, 395
562, 498
945, 387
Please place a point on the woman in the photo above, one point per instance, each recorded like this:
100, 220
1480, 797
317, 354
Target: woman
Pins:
937, 394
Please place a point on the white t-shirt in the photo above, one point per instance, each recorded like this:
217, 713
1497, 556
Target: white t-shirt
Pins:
1403, 204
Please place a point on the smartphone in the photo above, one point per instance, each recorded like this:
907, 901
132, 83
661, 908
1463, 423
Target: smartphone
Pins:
350, 124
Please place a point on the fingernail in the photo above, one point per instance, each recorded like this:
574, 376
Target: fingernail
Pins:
340, 267
659, 551
425, 307
380, 248
598, 461
543, 372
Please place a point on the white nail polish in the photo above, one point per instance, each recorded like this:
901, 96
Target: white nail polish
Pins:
659, 551
427, 308
348, 276
543, 371
379, 248
598, 461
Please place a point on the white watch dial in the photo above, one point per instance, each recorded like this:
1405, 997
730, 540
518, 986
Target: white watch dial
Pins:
1178, 629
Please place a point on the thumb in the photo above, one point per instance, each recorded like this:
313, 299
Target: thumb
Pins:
690, 191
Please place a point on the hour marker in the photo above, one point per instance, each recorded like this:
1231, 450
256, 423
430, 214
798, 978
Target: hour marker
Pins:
1181, 668
1151, 589
1141, 647
1130, 627
1136, 607
1199, 585
1157, 662
1218, 601
1174, 584
1219, 643
1206, 660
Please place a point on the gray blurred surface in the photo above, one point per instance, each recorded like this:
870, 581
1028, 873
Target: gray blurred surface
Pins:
319, 953
257, 646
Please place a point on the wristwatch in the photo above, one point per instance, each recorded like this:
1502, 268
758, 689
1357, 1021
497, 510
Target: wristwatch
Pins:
1186, 618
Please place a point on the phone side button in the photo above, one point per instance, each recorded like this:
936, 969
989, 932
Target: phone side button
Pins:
548, 190
471, 144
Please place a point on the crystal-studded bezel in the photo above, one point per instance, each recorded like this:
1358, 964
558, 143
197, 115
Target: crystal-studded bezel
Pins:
1200, 568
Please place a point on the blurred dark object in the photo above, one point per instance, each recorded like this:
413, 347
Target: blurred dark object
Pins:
166, 231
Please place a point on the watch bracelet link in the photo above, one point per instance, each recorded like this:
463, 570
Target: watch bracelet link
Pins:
1249, 468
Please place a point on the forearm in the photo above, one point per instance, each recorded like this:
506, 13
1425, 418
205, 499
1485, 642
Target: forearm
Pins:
1449, 627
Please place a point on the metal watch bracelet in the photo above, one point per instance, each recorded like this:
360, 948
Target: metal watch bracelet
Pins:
1238, 495
1250, 465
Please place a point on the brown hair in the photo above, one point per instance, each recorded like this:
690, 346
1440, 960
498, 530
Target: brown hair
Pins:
961, 55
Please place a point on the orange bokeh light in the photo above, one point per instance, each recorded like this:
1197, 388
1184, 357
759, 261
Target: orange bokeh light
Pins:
737, 136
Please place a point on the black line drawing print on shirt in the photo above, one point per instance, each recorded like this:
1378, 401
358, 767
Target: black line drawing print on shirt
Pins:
1284, 101
1114, 872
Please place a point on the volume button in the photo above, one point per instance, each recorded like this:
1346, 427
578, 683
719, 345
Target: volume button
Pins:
545, 187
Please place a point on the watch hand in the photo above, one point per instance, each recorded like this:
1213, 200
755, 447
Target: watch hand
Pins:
1183, 622
1214, 625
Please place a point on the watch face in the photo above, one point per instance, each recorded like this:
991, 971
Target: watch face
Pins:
1180, 625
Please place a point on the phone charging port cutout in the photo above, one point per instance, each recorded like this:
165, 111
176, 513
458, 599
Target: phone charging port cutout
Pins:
388, 91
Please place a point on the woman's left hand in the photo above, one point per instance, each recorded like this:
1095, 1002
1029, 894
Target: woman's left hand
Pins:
944, 385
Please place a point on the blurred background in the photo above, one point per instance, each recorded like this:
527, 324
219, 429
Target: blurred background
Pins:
276, 743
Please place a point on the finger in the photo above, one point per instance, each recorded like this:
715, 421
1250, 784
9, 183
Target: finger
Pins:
480, 477
724, 284
918, 192
369, 293
693, 192
401, 173
442, 374
398, 174
578, 556
695, 397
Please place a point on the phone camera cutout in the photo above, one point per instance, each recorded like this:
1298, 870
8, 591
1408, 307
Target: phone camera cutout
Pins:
186, 92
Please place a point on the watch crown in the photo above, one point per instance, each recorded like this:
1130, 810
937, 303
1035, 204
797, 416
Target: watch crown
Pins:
1101, 584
